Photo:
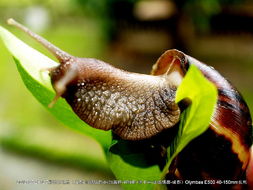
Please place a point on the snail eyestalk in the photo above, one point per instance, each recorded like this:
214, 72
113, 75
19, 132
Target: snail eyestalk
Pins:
57, 52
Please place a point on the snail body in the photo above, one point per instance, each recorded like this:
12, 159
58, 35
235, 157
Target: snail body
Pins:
137, 106
134, 106
109, 98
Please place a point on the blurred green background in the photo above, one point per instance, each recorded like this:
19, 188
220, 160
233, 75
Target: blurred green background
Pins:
130, 34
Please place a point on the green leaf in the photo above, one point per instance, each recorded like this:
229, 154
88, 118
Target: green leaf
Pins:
134, 163
30, 64
196, 118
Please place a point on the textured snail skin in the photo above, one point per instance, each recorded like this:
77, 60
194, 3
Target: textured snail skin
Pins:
222, 152
137, 106
134, 106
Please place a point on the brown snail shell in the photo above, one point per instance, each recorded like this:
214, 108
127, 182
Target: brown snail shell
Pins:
222, 152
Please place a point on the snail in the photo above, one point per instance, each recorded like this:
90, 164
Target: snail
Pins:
138, 106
